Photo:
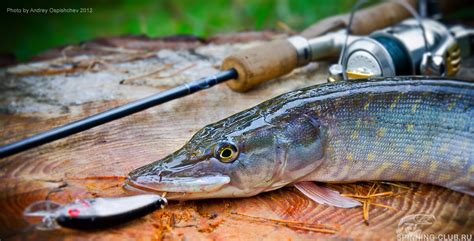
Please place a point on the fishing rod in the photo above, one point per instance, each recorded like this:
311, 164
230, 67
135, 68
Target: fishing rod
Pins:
242, 70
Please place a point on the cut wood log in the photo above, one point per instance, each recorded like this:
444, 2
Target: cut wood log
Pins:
94, 163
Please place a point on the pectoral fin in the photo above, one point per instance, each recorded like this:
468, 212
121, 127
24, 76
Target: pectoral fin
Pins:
323, 195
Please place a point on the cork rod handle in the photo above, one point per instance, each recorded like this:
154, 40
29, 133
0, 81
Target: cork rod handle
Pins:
261, 63
365, 20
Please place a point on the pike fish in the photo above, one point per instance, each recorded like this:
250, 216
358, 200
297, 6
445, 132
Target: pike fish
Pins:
392, 129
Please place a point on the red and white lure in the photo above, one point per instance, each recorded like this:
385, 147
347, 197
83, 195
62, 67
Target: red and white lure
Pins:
91, 213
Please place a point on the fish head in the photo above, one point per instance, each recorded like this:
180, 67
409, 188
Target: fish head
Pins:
223, 160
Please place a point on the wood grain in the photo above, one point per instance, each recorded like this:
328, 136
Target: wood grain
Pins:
93, 163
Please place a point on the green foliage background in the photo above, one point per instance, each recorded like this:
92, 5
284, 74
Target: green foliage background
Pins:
28, 34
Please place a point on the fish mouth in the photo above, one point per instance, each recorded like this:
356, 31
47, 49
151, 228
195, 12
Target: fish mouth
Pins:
176, 187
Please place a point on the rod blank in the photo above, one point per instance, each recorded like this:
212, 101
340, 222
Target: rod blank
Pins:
115, 113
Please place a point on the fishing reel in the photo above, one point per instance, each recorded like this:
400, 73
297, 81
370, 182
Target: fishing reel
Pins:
413, 47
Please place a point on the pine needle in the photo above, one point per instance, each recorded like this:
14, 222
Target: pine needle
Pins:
368, 198
293, 224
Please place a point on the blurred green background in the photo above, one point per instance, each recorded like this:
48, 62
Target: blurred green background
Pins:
28, 34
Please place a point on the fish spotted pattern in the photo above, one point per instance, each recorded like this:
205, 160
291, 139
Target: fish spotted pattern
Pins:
394, 129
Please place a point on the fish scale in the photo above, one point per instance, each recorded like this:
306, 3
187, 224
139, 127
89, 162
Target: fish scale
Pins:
414, 130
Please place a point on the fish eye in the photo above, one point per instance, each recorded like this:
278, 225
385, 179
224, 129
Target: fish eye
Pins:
226, 152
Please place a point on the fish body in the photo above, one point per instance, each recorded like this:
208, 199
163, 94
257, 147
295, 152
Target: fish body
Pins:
393, 129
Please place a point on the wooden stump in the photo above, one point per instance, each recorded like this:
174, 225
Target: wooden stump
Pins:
62, 88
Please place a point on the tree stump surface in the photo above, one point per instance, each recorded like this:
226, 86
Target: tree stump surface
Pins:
73, 82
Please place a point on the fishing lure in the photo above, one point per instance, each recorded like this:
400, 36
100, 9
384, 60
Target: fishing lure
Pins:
392, 129
92, 213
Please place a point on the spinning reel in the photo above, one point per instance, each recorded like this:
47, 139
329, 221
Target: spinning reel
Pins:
418, 46
405, 49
